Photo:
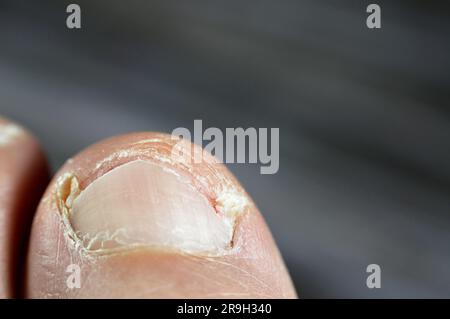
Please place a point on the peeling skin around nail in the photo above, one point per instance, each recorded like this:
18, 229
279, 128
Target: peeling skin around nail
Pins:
227, 202
8, 133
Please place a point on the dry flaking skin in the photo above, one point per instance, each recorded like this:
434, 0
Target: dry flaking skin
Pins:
208, 230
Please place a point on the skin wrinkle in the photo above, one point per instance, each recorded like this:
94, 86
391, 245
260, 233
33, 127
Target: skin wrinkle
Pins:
48, 268
245, 272
214, 265
189, 272
251, 284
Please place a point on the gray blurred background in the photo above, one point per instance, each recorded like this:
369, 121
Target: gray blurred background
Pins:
363, 114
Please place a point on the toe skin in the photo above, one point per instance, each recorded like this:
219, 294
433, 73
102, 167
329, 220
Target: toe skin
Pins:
23, 177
